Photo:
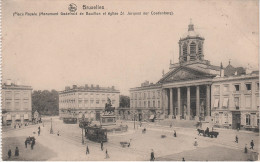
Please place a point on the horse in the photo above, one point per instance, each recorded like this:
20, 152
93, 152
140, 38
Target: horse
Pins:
200, 131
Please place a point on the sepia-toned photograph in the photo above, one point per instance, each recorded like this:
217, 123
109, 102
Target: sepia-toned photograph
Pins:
130, 80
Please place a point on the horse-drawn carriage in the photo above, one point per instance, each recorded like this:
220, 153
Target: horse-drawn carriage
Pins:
125, 144
207, 133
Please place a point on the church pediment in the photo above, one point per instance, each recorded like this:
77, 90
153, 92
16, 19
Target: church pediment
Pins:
184, 73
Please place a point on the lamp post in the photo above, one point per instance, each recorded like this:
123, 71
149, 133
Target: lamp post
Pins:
51, 131
83, 126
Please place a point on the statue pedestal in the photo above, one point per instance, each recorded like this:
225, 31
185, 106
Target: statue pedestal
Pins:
107, 120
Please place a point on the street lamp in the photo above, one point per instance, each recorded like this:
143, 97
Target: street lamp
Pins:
83, 126
51, 131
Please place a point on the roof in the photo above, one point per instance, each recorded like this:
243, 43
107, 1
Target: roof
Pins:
230, 70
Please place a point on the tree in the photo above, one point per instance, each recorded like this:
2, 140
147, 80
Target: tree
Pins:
124, 101
45, 102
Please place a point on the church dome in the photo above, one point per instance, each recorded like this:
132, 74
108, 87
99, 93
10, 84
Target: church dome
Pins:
191, 32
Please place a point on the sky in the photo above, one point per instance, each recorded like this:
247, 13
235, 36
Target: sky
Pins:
51, 52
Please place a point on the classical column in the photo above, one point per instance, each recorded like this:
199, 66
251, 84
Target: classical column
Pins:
178, 102
188, 104
208, 102
197, 102
161, 102
171, 103
166, 102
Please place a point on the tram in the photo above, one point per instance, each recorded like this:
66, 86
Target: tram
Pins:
70, 120
96, 134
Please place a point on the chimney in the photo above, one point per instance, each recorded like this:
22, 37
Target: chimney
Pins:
74, 86
221, 70
67, 88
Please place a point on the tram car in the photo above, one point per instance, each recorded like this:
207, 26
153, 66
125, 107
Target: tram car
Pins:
96, 134
70, 120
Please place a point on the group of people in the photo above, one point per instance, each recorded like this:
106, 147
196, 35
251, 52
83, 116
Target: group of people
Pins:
252, 144
28, 140
16, 152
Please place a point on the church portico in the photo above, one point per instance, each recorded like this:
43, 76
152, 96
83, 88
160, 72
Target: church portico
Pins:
188, 102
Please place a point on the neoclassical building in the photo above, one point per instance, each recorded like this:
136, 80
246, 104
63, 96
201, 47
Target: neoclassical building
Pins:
86, 100
187, 90
16, 103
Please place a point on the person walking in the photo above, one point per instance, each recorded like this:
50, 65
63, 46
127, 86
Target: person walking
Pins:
183, 159
252, 145
195, 142
101, 145
245, 150
236, 139
107, 156
25, 143
33, 143
87, 150
152, 156
9, 153
175, 134
16, 153
38, 132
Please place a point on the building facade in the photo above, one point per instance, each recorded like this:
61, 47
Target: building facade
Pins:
188, 90
145, 102
16, 103
235, 101
87, 101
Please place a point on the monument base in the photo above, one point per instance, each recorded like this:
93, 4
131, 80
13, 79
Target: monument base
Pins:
107, 120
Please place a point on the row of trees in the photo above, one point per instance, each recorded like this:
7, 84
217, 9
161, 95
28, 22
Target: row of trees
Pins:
47, 102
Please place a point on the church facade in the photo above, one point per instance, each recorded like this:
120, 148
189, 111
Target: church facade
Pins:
187, 91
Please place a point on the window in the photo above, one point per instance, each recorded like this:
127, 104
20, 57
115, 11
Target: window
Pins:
86, 103
248, 101
8, 104
248, 86
97, 101
159, 93
17, 105
248, 120
80, 103
257, 86
225, 102
135, 95
140, 105
216, 118
149, 104
144, 103
17, 96
216, 103
159, 105
226, 88
144, 95
216, 89
185, 49
236, 101
132, 95
192, 48
148, 94
26, 96
8, 95
237, 88
153, 94
226, 118
153, 103
257, 102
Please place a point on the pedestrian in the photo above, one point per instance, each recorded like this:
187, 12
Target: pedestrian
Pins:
16, 151
101, 145
236, 139
9, 153
25, 143
245, 149
252, 145
107, 156
195, 142
38, 132
39, 128
183, 159
33, 142
152, 156
175, 134
87, 151
58, 133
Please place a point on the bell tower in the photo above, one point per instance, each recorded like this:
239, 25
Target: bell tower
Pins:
191, 46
